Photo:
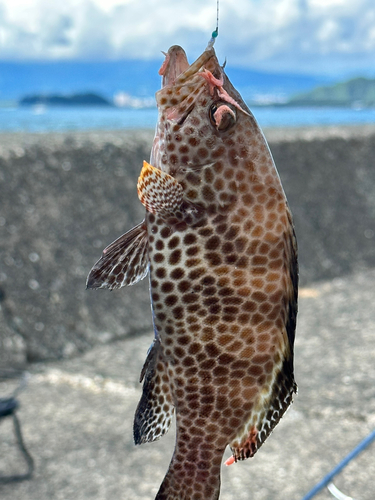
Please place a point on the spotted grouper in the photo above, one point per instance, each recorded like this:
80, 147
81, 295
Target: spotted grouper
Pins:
219, 245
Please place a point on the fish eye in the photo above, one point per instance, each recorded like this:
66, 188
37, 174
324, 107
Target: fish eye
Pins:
222, 116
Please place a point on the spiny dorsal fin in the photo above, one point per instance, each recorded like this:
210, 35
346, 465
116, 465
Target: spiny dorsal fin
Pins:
124, 262
158, 191
155, 409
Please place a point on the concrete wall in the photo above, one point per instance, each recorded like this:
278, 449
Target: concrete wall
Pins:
64, 197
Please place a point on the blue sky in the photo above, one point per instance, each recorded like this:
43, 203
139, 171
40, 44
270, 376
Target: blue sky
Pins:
333, 37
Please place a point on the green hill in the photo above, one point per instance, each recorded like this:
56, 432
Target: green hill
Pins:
356, 92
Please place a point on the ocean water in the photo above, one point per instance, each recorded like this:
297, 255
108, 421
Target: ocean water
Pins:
44, 119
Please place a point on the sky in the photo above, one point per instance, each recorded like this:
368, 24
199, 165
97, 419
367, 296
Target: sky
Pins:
330, 37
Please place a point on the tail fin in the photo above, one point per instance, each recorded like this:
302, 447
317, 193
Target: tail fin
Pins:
186, 479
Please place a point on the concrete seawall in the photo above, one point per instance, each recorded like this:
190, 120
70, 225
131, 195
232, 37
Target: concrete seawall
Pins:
64, 197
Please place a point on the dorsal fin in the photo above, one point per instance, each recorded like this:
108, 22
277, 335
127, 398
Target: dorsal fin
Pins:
155, 409
124, 262
252, 437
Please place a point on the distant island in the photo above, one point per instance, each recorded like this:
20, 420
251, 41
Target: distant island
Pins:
120, 100
86, 99
357, 93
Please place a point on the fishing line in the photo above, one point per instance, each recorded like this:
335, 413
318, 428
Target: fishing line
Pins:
215, 33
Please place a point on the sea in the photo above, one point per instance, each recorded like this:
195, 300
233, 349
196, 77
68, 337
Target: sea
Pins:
59, 119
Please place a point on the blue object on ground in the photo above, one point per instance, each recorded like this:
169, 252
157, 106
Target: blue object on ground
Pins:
8, 406
328, 478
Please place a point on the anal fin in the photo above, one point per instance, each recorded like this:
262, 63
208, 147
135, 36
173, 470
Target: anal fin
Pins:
124, 262
155, 409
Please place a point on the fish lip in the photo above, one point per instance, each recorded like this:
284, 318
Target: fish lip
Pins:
176, 69
174, 64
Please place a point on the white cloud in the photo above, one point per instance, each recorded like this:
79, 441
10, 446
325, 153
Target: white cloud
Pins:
305, 35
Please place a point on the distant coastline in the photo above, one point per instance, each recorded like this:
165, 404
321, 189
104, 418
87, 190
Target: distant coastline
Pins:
348, 103
357, 93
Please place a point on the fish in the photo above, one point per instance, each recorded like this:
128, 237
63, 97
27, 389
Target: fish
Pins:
219, 245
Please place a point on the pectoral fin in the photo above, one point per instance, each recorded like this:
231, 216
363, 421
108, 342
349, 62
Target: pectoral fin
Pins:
124, 262
155, 409
158, 191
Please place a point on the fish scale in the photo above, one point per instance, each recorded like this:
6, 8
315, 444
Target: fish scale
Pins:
222, 258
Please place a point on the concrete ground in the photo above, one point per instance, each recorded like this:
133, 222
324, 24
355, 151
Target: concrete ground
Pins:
77, 415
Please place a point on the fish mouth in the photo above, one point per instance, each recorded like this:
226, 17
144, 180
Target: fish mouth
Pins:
176, 68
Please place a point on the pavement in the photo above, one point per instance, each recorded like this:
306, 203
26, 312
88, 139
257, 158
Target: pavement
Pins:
77, 414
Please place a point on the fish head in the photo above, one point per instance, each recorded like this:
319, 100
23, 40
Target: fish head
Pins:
200, 113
